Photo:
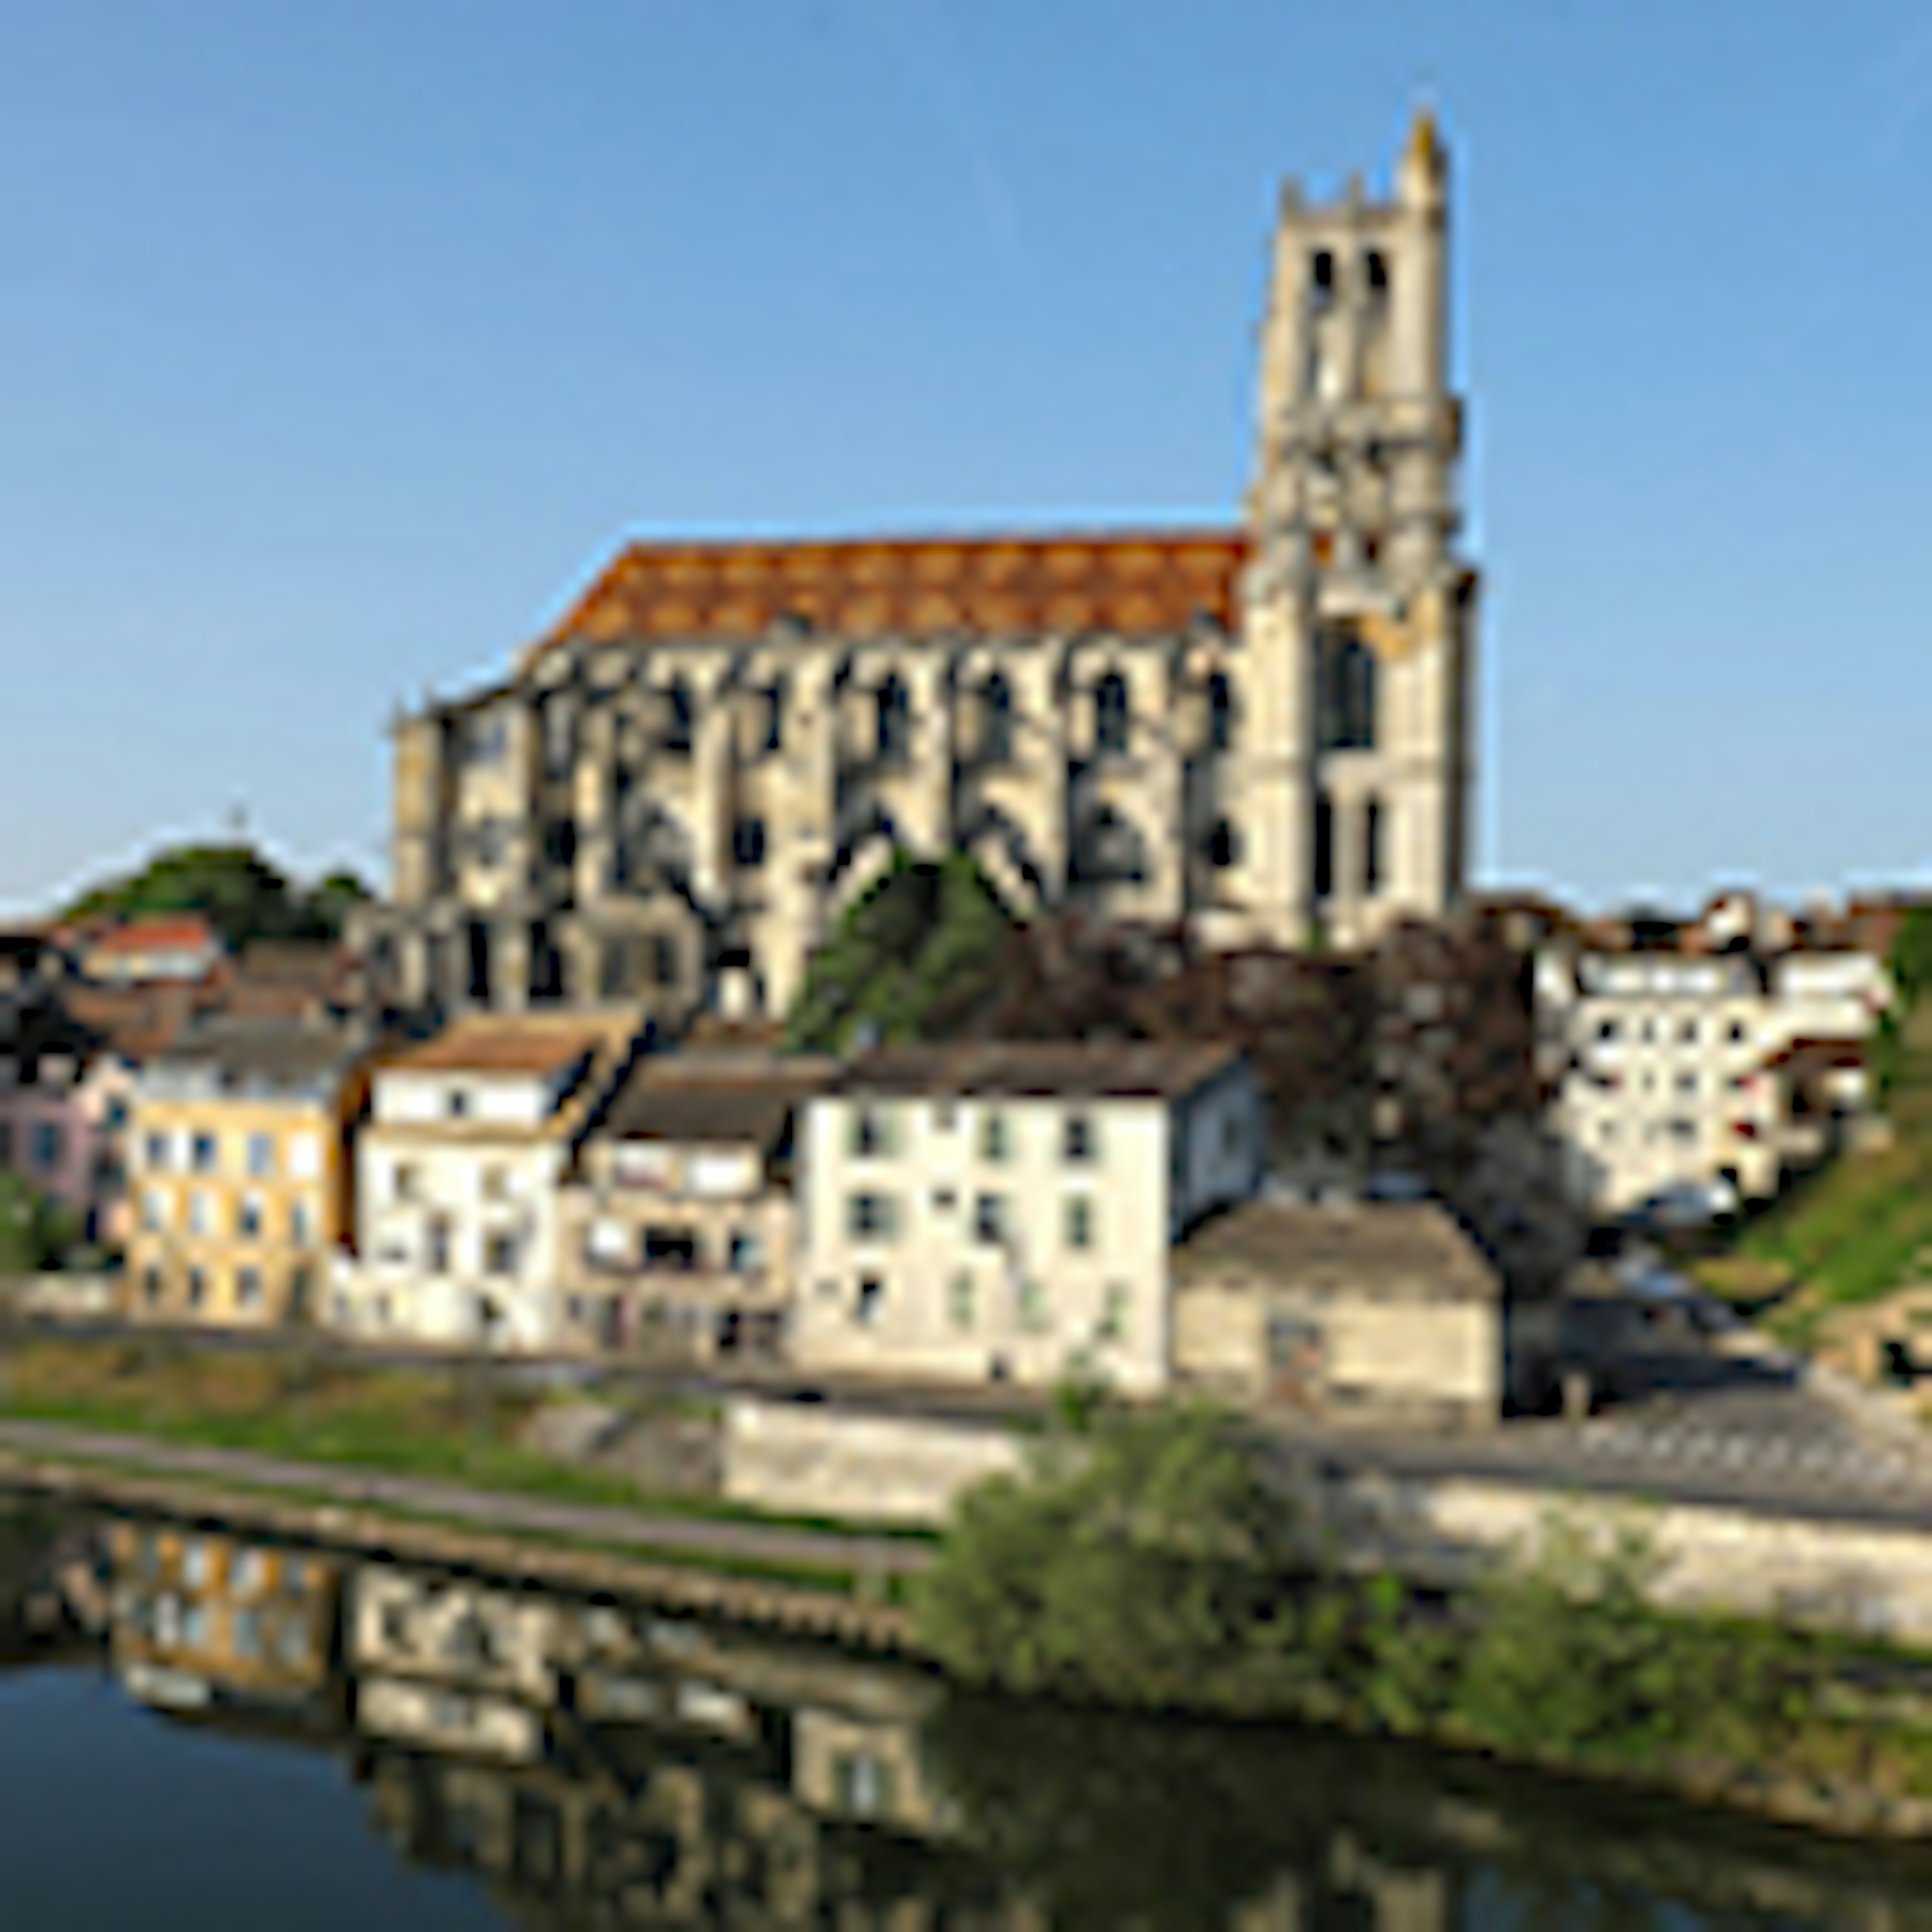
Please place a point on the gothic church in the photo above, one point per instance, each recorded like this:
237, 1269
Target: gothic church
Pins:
1257, 736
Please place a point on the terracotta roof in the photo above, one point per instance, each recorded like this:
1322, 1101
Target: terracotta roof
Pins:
523, 1043
1136, 583
1393, 1247
158, 935
1128, 1069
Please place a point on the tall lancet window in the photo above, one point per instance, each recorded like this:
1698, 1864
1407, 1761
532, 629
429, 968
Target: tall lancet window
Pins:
1220, 712
1325, 846
895, 722
996, 721
1372, 847
1344, 692
1110, 713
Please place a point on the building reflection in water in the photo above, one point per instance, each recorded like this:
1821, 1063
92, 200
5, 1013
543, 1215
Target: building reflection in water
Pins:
595, 1762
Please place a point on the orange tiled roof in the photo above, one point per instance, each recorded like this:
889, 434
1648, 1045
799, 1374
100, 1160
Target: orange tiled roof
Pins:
1134, 583
158, 935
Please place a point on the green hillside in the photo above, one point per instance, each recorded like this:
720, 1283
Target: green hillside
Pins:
1862, 1226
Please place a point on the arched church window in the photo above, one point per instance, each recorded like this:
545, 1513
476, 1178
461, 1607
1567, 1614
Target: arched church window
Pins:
1375, 271
1223, 847
894, 721
1325, 846
678, 711
1109, 851
1110, 713
1321, 280
996, 721
1344, 692
1220, 712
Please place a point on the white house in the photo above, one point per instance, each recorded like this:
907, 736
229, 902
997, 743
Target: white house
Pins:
1005, 1212
1668, 1067
458, 1170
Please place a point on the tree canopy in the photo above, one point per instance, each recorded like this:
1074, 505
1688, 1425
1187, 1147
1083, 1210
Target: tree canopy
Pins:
922, 945
35, 1229
234, 887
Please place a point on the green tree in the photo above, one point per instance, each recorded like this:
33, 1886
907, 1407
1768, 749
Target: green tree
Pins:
234, 887
908, 958
1141, 1561
35, 1229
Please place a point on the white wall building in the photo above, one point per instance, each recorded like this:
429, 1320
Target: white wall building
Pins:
1006, 1212
457, 1172
1667, 1065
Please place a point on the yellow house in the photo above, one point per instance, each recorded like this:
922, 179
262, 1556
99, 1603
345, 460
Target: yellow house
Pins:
240, 1168
198, 1615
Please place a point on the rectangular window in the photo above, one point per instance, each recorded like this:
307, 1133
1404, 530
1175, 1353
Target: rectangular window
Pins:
404, 1180
1033, 1306
747, 843
495, 1183
48, 1144
499, 1254
1113, 1326
664, 961
989, 1219
1077, 1224
871, 1293
302, 1223
871, 1133
437, 1259
994, 1144
202, 1154
248, 1288
155, 1209
197, 1287
774, 731
248, 1215
305, 1156
261, 1155
201, 1212
962, 1299
1078, 1138
869, 1217
155, 1156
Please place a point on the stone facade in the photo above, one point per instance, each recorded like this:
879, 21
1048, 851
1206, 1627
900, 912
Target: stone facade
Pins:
1251, 734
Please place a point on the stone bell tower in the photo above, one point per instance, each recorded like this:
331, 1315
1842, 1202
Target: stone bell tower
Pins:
1358, 611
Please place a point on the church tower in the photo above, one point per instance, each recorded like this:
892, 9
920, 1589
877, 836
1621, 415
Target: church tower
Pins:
1358, 610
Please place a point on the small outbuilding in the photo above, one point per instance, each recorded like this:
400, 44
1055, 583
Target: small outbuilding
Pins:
1386, 1311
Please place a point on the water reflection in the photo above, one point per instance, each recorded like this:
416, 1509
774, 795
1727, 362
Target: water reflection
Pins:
595, 1763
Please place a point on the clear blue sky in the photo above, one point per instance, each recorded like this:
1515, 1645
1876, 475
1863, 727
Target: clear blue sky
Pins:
338, 344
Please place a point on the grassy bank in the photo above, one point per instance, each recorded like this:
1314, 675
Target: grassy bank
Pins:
449, 1425
1862, 1226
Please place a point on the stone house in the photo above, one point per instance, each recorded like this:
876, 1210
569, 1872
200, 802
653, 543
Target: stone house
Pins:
1377, 1310
458, 1170
1003, 1212
677, 1225
238, 1161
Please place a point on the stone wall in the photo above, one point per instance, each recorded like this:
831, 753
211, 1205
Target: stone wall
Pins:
1869, 1577
798, 1459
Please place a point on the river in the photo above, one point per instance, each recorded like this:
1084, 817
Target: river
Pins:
200, 1729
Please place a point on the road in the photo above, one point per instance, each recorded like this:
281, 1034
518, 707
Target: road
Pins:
743, 1542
